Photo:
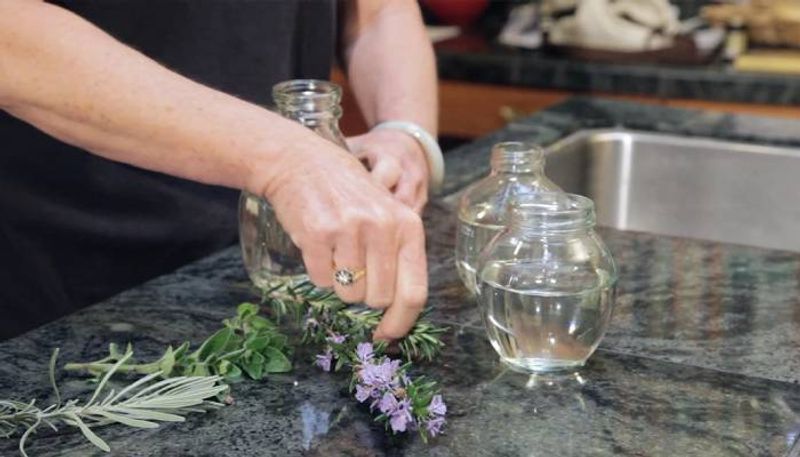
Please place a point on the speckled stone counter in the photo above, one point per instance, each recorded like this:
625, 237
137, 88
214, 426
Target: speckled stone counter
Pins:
702, 359
494, 64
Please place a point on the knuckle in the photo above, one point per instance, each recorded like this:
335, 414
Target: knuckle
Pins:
321, 230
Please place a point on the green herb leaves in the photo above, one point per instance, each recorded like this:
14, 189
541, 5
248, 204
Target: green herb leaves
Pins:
142, 404
248, 345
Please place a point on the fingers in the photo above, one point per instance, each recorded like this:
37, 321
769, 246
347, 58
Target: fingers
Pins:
411, 289
349, 254
387, 172
382, 245
412, 190
318, 259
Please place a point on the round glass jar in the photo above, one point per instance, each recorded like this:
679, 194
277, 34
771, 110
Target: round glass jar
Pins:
546, 285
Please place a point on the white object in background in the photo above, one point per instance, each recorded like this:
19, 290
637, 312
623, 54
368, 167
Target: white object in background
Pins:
429, 144
627, 25
437, 33
522, 29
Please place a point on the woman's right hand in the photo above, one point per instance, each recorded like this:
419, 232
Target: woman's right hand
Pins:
340, 217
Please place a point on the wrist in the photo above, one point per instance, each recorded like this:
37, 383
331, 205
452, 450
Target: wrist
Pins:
428, 144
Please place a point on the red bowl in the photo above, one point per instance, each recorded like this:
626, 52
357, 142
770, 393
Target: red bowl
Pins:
456, 12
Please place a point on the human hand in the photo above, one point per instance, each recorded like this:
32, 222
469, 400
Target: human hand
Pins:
397, 162
341, 217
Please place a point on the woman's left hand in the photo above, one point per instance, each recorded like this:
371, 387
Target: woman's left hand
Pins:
396, 161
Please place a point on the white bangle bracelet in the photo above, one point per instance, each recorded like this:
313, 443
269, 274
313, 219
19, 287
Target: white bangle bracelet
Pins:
432, 150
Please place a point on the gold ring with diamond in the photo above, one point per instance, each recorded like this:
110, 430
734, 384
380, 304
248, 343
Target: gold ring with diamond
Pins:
346, 277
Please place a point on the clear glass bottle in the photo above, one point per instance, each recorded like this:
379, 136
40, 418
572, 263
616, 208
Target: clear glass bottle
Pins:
547, 284
517, 170
269, 254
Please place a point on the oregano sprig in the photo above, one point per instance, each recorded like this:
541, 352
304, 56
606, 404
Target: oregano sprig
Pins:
248, 345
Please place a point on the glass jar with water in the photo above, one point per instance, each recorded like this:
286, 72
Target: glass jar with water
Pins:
517, 170
269, 254
546, 285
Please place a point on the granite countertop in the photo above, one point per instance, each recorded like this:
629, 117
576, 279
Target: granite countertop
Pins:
702, 358
474, 59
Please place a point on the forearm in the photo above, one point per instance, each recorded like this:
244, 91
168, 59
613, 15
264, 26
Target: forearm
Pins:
115, 102
390, 62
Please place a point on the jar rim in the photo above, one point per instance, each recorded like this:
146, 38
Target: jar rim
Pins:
517, 156
552, 212
313, 89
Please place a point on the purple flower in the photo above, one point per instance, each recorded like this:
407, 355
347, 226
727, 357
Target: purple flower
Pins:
363, 392
435, 425
399, 412
380, 376
364, 352
437, 406
401, 418
388, 403
324, 360
336, 338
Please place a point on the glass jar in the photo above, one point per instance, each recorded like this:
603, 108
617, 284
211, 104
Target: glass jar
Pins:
547, 284
517, 170
269, 254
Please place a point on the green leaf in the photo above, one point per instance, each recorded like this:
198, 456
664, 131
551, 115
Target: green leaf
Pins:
89, 434
234, 374
247, 309
277, 361
215, 344
254, 366
260, 323
129, 421
257, 342
167, 362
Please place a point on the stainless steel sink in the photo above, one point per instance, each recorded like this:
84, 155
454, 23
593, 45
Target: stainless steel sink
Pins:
690, 187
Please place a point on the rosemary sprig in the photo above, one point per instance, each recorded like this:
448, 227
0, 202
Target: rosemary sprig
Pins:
142, 404
248, 345
322, 313
395, 398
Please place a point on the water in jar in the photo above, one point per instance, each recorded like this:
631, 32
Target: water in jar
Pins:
269, 254
545, 325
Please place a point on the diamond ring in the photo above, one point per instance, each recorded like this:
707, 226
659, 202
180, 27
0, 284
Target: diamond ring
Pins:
347, 277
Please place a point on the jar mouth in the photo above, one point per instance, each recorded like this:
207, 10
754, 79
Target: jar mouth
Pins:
554, 212
517, 156
308, 98
307, 89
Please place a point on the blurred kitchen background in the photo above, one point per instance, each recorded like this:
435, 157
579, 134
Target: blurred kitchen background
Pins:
501, 60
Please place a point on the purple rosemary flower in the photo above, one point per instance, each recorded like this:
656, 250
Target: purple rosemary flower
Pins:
364, 352
380, 376
324, 360
388, 403
364, 392
434, 425
437, 406
336, 338
399, 412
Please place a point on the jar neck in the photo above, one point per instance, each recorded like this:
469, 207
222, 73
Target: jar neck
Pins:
515, 157
552, 214
309, 101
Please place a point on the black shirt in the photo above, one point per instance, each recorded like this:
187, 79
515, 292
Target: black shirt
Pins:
76, 228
